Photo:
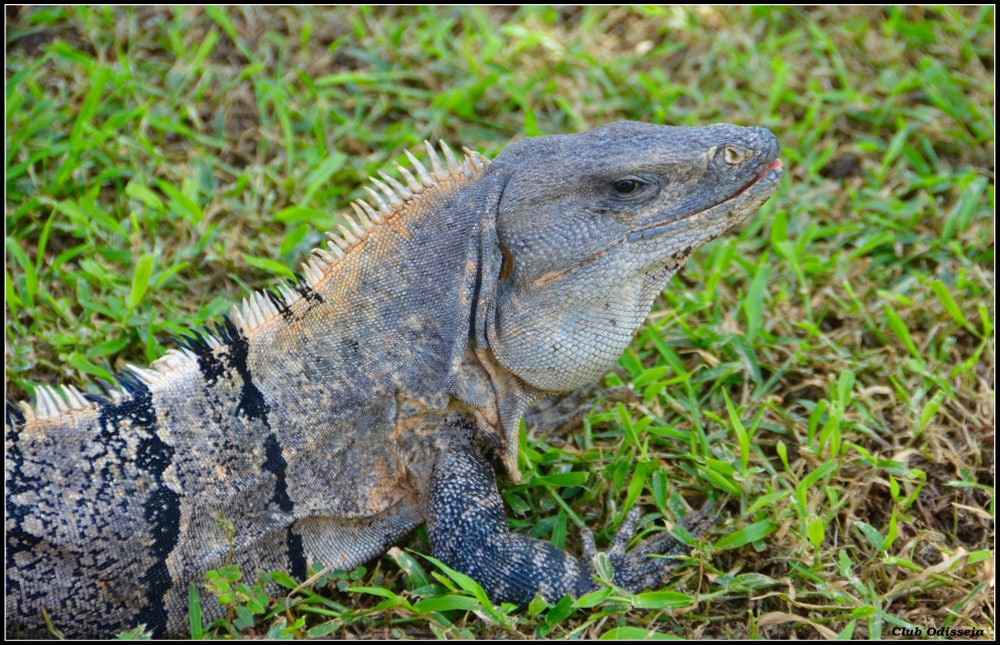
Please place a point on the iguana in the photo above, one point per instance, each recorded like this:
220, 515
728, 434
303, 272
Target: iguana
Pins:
382, 389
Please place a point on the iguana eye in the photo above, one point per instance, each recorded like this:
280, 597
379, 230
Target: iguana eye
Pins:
628, 186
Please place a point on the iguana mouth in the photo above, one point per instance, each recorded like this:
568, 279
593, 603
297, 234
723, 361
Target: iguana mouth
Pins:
774, 165
774, 170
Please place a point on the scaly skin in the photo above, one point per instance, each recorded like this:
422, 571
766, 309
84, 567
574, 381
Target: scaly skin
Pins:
327, 419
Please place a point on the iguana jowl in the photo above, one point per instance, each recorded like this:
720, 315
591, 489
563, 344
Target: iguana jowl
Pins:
329, 417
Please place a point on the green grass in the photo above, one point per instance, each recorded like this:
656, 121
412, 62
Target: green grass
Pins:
824, 377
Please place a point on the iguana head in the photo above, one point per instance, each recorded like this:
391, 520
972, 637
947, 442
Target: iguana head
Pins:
591, 227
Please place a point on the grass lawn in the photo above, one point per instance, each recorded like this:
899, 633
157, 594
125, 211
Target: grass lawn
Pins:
824, 377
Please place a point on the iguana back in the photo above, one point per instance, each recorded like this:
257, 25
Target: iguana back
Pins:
328, 417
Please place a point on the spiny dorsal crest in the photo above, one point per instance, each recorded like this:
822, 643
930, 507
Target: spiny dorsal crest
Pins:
391, 200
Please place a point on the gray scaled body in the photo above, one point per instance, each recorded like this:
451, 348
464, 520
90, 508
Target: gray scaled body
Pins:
328, 417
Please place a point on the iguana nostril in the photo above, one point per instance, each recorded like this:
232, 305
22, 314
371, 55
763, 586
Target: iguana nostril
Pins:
734, 155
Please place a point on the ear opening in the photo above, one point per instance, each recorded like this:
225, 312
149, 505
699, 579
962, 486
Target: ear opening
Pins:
506, 265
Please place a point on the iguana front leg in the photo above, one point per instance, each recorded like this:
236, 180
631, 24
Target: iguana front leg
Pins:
468, 531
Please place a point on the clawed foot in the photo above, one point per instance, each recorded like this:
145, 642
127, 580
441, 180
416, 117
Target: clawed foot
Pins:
633, 569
